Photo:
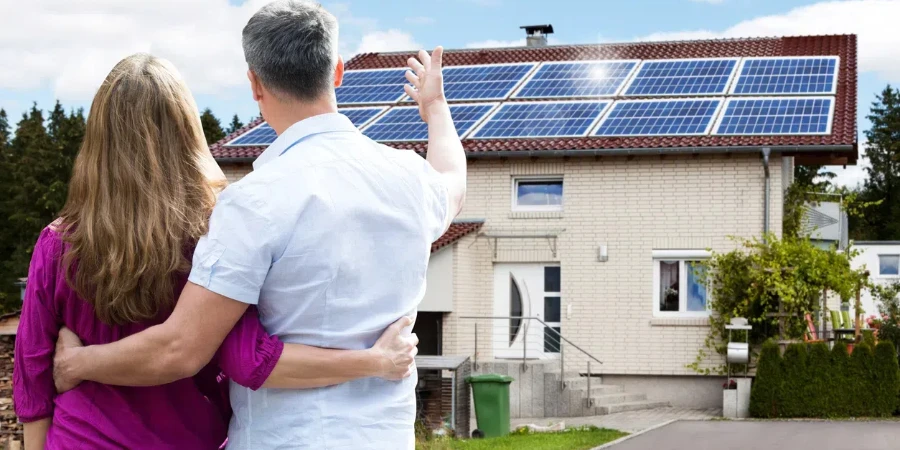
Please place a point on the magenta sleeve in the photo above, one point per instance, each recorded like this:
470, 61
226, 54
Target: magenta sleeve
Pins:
249, 354
33, 388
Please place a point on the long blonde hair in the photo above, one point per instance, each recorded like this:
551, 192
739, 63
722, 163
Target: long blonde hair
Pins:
142, 189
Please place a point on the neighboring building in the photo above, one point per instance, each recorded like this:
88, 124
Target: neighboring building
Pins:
594, 228
882, 260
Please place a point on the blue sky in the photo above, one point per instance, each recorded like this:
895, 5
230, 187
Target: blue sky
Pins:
61, 49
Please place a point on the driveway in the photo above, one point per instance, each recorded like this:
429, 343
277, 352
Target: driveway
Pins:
753, 435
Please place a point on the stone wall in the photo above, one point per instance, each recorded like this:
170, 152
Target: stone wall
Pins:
10, 428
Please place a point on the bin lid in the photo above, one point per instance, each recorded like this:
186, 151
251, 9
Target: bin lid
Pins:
489, 378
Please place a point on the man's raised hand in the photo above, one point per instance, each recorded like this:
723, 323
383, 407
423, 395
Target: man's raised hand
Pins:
426, 81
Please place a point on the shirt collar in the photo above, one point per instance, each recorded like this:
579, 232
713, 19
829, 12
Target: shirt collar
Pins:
322, 123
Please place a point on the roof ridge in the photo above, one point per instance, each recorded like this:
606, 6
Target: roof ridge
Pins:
602, 44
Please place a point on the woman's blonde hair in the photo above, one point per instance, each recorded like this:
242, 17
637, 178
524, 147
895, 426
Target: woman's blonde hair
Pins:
142, 189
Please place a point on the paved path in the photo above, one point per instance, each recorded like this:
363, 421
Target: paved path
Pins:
759, 435
629, 422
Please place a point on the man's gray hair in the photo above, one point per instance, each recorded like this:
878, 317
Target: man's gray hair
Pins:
291, 46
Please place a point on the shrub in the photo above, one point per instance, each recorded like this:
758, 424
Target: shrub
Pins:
766, 392
817, 383
796, 379
887, 379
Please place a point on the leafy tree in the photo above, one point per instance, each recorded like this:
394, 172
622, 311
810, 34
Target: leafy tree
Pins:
38, 164
212, 128
235, 125
883, 182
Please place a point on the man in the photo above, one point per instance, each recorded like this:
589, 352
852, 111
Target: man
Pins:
330, 236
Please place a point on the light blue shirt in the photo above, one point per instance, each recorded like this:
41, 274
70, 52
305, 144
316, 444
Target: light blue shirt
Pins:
330, 235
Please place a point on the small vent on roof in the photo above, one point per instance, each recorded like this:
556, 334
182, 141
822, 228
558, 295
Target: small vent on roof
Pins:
536, 35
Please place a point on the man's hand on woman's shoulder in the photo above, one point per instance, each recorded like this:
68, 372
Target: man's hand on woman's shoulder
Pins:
396, 352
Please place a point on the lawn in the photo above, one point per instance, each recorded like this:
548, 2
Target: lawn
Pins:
572, 439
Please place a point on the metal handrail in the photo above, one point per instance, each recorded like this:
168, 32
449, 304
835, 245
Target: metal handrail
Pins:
542, 322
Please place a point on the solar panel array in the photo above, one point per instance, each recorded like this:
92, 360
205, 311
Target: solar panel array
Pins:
717, 96
800, 75
404, 124
682, 77
776, 116
683, 117
541, 119
577, 79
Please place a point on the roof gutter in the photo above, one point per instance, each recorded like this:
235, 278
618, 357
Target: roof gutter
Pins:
655, 151
242, 159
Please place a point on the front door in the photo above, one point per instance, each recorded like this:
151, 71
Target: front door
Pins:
526, 290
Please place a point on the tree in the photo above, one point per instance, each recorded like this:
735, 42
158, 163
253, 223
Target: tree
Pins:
38, 163
235, 125
883, 182
212, 128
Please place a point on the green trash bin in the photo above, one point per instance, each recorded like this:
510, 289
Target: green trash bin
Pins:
491, 395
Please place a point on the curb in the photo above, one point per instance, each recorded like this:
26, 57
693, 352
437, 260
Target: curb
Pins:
625, 438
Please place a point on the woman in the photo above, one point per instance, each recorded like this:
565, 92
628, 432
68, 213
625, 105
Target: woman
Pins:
142, 188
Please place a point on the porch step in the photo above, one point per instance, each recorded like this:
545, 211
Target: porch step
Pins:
628, 406
577, 382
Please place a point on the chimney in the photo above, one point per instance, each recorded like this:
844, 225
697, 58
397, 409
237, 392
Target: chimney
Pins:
536, 35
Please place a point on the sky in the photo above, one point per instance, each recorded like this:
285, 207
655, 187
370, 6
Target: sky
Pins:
62, 49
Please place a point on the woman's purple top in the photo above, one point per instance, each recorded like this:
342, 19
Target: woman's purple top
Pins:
192, 413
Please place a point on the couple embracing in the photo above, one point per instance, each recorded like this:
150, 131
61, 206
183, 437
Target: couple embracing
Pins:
165, 312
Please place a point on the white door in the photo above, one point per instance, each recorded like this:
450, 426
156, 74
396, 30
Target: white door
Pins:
526, 290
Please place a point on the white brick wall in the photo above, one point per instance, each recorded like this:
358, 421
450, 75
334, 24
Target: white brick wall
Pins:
632, 206
234, 172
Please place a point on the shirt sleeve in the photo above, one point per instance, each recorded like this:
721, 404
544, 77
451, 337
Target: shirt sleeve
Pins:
437, 201
233, 259
248, 355
33, 388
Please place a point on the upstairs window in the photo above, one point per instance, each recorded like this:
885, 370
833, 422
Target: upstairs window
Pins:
537, 194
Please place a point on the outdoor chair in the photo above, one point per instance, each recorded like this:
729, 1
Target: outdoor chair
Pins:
811, 336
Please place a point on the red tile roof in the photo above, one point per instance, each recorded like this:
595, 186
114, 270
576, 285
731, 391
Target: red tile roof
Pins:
456, 232
843, 136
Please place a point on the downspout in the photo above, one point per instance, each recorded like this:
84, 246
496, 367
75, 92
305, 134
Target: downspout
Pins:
765, 153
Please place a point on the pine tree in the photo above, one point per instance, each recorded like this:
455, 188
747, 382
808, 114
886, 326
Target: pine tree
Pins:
235, 125
882, 222
212, 128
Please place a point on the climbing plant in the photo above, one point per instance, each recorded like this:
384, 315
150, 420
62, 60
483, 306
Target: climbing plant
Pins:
766, 281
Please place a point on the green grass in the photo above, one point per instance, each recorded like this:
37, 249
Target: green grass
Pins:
571, 439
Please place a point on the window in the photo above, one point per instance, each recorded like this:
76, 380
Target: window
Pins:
537, 194
678, 288
552, 309
889, 265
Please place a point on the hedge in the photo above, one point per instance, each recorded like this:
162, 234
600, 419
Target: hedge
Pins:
811, 381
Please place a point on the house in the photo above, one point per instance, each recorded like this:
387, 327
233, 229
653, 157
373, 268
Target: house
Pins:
592, 193
882, 260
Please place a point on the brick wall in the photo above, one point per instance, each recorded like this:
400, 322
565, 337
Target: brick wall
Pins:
234, 172
633, 207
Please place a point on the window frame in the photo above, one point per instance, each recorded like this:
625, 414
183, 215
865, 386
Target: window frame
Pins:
515, 207
881, 275
682, 257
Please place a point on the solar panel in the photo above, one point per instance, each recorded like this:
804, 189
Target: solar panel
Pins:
681, 117
493, 82
263, 134
541, 119
573, 79
795, 75
371, 86
682, 77
776, 115
403, 123
361, 116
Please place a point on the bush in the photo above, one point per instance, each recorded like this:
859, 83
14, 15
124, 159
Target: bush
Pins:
766, 393
815, 383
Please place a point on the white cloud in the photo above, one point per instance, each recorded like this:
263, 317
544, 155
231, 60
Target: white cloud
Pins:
872, 20
421, 20
71, 46
387, 41
494, 43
